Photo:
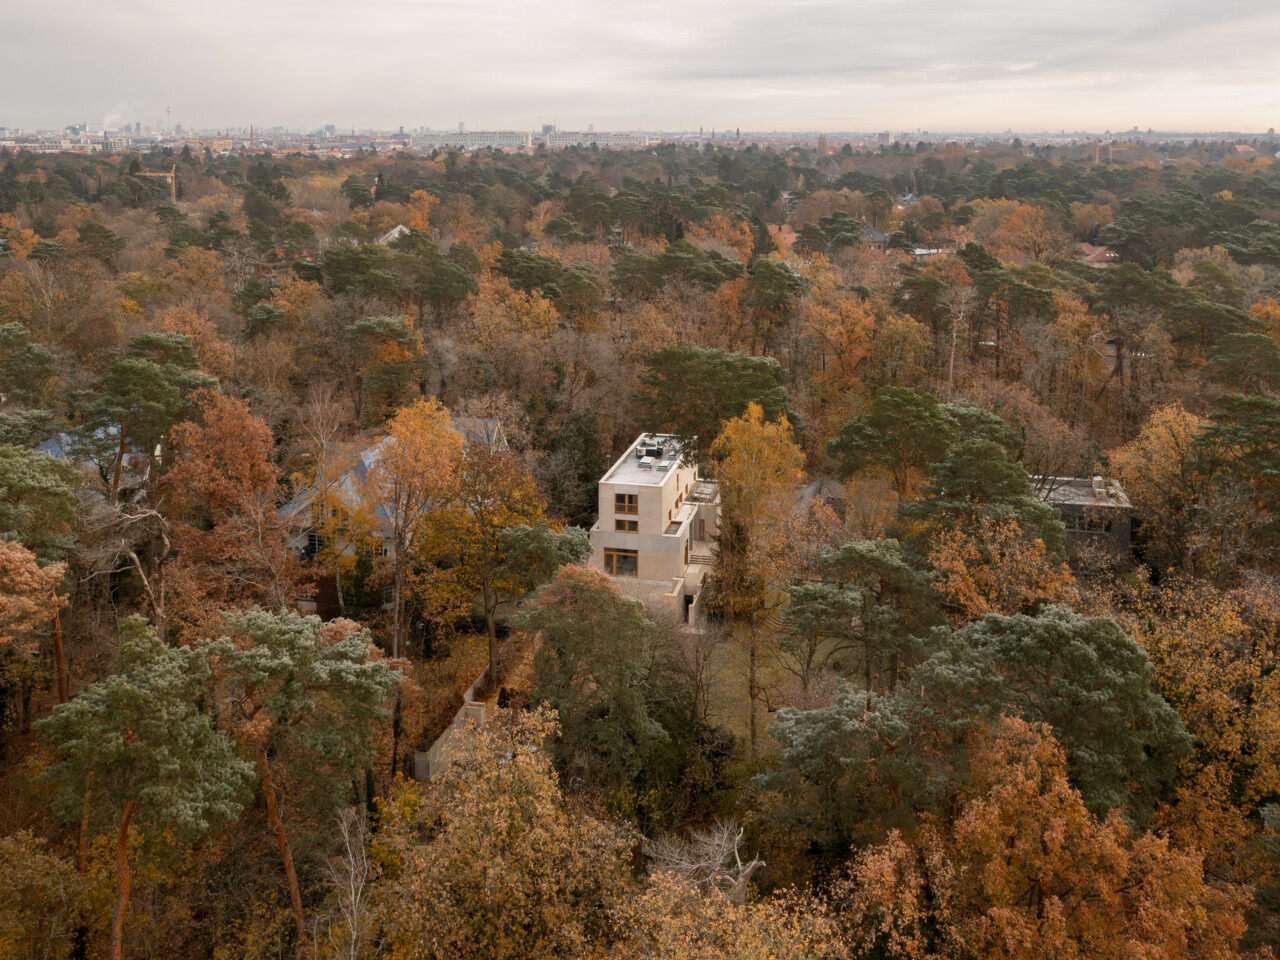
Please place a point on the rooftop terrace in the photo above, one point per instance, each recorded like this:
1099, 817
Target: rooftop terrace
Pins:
647, 461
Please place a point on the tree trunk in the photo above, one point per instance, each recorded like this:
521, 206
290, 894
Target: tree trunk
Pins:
59, 661
337, 583
122, 881
751, 688
397, 603
282, 840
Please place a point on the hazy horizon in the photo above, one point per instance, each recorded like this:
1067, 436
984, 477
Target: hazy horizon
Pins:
658, 65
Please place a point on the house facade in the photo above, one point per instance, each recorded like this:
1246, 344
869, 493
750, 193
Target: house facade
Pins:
657, 527
1096, 513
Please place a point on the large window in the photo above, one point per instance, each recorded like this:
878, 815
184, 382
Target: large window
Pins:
626, 503
626, 526
622, 563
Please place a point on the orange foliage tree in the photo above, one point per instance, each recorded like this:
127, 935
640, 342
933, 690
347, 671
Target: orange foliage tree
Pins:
994, 568
1026, 872
232, 548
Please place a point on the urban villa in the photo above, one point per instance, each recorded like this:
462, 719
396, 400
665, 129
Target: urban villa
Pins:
657, 527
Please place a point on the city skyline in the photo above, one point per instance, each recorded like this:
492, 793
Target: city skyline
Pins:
816, 65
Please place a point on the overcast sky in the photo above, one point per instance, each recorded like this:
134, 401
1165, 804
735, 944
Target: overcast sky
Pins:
652, 64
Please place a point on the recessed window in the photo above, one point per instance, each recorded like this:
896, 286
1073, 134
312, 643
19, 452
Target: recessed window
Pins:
626, 503
622, 563
626, 526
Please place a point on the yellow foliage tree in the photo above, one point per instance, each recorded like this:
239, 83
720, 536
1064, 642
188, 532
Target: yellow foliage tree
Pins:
404, 490
490, 861
760, 467
673, 919
1164, 485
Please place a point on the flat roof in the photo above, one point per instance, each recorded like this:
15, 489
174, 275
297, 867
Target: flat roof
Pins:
1080, 492
646, 471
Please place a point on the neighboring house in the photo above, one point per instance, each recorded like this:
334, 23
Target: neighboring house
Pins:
1097, 256
97, 453
657, 530
827, 493
873, 239
924, 254
347, 487
392, 235
783, 235
1096, 513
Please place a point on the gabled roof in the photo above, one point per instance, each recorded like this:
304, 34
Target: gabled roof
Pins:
871, 235
395, 233
356, 461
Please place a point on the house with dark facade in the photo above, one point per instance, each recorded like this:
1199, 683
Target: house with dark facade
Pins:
1095, 511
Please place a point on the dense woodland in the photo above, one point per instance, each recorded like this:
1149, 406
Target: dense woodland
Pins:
910, 728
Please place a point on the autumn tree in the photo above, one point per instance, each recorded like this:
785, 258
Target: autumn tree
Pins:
1165, 481
671, 918
152, 760
307, 699
1026, 871
491, 861
41, 899
223, 492
759, 468
1032, 233
995, 569
492, 492
29, 600
405, 489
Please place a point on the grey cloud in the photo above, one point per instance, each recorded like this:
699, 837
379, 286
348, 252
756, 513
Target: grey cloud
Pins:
648, 63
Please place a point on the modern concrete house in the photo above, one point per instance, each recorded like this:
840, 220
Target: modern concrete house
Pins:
1096, 513
658, 523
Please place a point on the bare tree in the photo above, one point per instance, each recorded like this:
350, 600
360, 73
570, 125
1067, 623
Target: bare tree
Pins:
711, 859
351, 875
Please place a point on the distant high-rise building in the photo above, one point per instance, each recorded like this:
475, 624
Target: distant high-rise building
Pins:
882, 139
548, 128
574, 138
402, 129
462, 127
137, 127
330, 130
463, 140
